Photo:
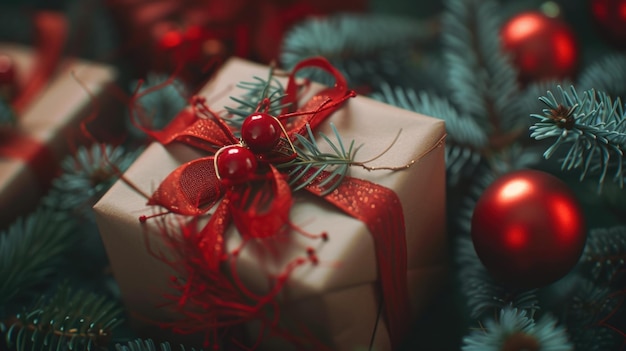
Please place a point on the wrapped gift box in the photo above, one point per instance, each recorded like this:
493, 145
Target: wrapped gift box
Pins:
44, 131
337, 299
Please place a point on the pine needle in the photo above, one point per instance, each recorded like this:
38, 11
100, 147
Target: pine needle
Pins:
32, 250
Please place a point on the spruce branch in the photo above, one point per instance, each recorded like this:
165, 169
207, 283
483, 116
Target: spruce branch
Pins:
365, 48
593, 127
255, 93
590, 304
149, 345
605, 253
87, 175
462, 129
607, 74
68, 320
484, 294
311, 161
482, 81
31, 252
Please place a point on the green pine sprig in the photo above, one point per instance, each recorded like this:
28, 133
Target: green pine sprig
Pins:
605, 253
607, 74
366, 48
311, 161
593, 128
32, 250
149, 345
68, 320
481, 78
589, 305
255, 92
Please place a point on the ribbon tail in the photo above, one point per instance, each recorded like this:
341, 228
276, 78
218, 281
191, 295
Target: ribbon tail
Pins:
182, 193
382, 214
201, 133
212, 237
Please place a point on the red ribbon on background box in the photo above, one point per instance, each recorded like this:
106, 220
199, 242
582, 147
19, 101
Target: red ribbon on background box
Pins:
51, 32
194, 187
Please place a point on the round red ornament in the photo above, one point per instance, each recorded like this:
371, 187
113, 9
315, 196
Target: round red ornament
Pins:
260, 132
528, 229
542, 47
610, 17
235, 164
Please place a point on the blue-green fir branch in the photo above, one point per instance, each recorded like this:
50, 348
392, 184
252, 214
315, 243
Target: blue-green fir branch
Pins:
516, 329
481, 79
157, 108
483, 294
87, 175
149, 345
605, 254
590, 304
514, 157
311, 161
68, 320
592, 126
607, 74
366, 48
32, 251
254, 94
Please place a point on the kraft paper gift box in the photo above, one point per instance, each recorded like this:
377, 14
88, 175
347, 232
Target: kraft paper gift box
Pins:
30, 150
338, 301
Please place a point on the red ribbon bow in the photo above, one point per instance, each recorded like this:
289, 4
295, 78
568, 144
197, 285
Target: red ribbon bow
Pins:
260, 208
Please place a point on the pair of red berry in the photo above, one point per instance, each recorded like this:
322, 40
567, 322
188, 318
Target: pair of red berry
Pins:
260, 132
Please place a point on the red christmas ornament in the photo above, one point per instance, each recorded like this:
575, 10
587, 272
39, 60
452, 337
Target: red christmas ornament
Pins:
528, 229
235, 164
260, 132
610, 17
542, 47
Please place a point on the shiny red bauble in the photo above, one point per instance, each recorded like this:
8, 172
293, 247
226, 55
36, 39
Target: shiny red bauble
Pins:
542, 47
528, 229
235, 164
610, 17
260, 132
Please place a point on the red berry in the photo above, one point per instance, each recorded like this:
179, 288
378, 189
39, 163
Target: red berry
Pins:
260, 132
235, 164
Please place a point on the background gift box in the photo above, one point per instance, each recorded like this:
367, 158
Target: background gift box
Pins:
46, 128
338, 300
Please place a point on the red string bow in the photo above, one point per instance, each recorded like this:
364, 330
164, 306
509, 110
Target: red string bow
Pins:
260, 208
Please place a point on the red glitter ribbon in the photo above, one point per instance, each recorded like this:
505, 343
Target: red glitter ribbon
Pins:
262, 209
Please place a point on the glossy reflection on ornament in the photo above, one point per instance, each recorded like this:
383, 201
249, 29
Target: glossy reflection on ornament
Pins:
528, 229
